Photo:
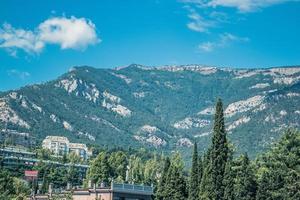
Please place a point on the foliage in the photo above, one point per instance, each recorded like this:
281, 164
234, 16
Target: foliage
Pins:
12, 187
194, 176
160, 192
214, 173
175, 185
169, 97
278, 170
228, 180
245, 183
99, 169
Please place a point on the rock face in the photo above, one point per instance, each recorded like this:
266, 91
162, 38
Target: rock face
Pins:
162, 108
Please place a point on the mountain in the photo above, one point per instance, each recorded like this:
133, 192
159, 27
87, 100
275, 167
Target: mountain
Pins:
162, 108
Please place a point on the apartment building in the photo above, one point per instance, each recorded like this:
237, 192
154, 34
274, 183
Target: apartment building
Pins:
61, 146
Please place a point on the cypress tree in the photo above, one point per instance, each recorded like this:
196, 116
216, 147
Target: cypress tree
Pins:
205, 192
200, 172
194, 177
245, 188
228, 181
175, 187
163, 179
219, 153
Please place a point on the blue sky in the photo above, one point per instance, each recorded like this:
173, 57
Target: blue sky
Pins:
40, 40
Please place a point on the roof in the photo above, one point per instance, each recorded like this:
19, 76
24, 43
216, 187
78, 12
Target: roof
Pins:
77, 145
57, 138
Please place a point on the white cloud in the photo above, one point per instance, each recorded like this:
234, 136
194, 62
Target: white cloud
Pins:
247, 5
198, 23
74, 33
20, 74
241, 5
13, 39
223, 41
68, 33
207, 46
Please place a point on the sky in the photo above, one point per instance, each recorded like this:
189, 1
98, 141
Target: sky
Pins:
40, 40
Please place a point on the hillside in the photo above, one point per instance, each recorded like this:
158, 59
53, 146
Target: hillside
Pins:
162, 108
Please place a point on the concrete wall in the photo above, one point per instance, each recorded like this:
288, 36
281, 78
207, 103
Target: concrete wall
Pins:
93, 196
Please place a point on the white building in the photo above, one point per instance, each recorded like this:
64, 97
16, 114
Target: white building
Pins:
61, 146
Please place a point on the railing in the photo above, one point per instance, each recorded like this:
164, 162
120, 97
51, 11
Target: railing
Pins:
45, 161
16, 150
132, 188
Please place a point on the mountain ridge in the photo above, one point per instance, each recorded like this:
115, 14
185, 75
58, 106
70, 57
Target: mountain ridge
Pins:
162, 108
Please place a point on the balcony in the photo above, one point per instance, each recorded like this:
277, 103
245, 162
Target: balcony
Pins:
131, 188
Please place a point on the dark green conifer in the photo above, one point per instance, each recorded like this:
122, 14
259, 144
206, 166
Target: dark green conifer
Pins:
200, 172
219, 153
228, 180
263, 188
245, 188
163, 179
194, 177
175, 187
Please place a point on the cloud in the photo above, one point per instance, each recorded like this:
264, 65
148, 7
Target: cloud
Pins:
68, 33
223, 41
13, 39
207, 46
198, 23
241, 5
20, 74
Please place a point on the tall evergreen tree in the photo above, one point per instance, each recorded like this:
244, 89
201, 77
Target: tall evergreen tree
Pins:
99, 169
163, 179
219, 153
175, 187
245, 187
194, 176
228, 180
206, 191
200, 172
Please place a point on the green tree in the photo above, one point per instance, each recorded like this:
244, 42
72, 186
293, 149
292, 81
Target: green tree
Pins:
228, 180
245, 187
136, 169
12, 187
118, 164
219, 151
263, 188
194, 176
175, 187
151, 171
6, 184
200, 172
206, 190
21, 189
99, 169
292, 186
160, 193
211, 186
72, 176
278, 169
73, 158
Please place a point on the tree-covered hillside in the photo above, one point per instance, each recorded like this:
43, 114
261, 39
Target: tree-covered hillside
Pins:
162, 108
217, 174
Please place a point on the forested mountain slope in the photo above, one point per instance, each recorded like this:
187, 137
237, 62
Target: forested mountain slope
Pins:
162, 108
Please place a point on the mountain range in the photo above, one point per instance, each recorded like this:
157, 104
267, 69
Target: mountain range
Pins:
162, 108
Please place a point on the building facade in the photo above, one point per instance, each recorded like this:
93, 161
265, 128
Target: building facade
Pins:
116, 191
61, 146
